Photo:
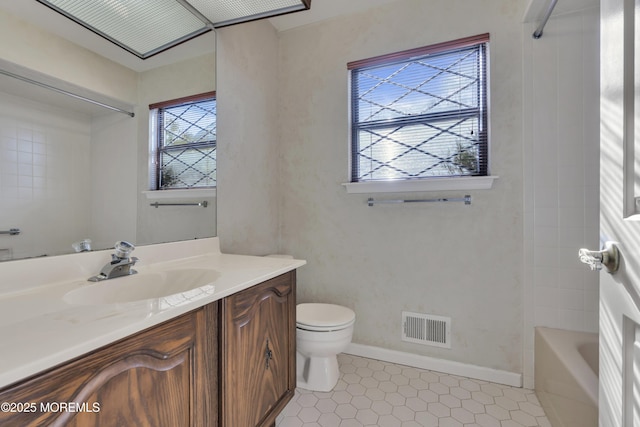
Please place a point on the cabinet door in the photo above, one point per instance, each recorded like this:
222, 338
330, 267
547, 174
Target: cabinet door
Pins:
164, 376
258, 352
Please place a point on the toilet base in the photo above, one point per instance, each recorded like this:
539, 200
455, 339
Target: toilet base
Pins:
317, 373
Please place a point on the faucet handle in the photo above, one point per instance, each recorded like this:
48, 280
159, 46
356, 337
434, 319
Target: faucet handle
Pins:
123, 249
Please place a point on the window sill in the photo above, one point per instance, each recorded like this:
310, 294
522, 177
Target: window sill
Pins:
180, 194
430, 184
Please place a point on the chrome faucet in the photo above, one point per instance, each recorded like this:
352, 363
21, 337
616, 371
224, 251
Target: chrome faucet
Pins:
120, 264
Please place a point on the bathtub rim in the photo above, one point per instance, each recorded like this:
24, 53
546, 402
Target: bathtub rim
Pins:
564, 344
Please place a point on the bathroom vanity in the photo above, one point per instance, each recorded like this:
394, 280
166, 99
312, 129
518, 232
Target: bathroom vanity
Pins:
258, 353
220, 354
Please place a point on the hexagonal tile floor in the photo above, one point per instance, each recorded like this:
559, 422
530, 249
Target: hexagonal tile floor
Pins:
375, 393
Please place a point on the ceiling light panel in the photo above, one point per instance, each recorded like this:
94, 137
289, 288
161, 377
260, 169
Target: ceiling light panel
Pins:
142, 27
228, 12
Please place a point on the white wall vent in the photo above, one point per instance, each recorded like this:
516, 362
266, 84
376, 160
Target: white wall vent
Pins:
426, 329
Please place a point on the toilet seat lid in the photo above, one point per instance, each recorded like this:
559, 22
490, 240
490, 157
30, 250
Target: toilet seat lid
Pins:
323, 316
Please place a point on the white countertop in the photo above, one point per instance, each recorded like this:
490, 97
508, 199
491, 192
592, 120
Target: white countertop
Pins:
39, 330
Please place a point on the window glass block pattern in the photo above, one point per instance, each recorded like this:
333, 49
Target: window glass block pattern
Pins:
187, 151
420, 117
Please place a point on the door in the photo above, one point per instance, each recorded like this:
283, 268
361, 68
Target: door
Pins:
620, 214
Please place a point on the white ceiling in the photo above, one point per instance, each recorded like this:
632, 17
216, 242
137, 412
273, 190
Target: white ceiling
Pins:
537, 8
41, 16
37, 14
324, 9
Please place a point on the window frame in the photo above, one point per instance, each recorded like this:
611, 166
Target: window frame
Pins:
483, 180
156, 138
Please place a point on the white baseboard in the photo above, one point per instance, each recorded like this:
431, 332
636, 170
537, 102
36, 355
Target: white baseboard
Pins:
438, 365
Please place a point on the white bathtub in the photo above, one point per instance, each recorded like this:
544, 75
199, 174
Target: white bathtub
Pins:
566, 376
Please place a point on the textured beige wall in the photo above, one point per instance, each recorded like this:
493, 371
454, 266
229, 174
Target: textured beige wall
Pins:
36, 49
185, 78
247, 81
446, 259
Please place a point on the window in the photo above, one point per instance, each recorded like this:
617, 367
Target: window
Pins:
420, 113
184, 142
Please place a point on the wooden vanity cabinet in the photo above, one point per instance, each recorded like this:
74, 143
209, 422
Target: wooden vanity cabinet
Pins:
230, 363
257, 352
164, 376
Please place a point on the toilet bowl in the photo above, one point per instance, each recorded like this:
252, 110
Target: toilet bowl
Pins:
322, 331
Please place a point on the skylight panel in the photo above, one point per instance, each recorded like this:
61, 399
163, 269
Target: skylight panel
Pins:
147, 27
141, 27
222, 13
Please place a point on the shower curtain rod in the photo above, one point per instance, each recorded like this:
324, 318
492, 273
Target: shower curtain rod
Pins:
538, 32
64, 92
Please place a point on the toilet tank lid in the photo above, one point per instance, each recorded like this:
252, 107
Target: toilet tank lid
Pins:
315, 314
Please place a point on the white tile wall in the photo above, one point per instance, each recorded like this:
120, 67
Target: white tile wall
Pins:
44, 165
565, 142
561, 140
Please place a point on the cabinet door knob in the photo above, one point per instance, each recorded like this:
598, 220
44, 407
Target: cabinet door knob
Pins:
268, 355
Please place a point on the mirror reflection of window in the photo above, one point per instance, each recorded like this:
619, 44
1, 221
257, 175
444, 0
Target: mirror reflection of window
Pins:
183, 143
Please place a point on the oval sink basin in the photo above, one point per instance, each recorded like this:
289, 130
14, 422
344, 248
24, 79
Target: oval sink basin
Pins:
142, 286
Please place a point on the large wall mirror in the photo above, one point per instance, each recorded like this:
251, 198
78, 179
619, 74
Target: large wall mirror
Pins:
71, 170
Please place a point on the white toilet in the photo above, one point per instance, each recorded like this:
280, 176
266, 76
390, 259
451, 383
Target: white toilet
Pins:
322, 331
